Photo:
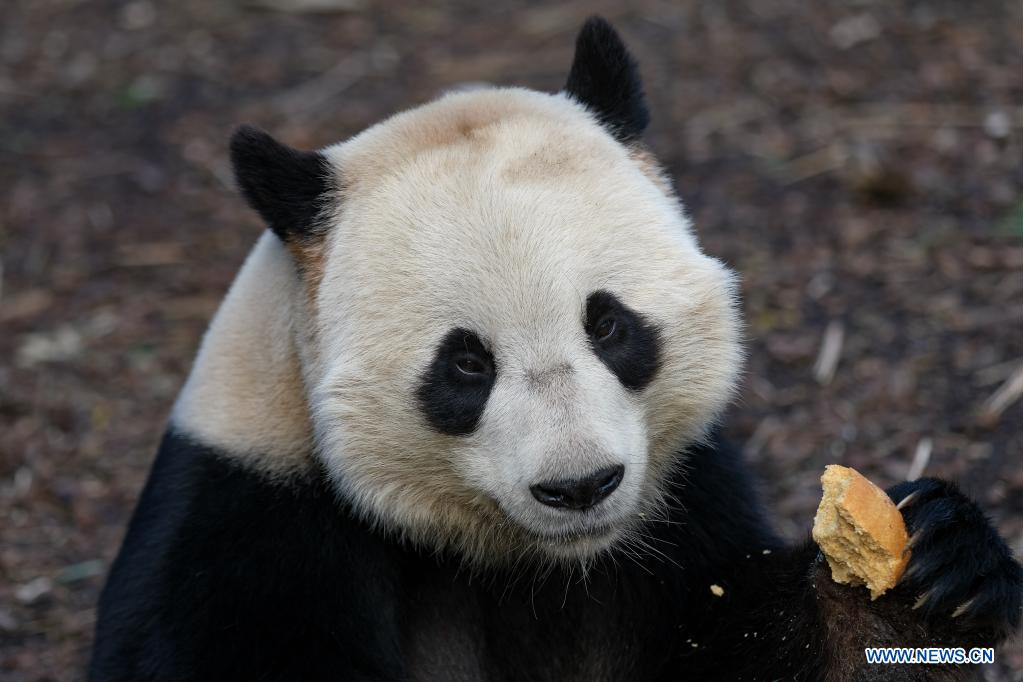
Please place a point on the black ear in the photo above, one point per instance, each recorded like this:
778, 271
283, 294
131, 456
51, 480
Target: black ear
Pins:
605, 78
285, 186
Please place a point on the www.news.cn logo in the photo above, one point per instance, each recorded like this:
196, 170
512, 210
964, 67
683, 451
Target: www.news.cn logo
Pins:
929, 655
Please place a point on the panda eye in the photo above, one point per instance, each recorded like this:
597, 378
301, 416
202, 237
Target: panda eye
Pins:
622, 339
454, 390
605, 329
472, 365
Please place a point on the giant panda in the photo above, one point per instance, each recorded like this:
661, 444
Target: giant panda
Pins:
455, 420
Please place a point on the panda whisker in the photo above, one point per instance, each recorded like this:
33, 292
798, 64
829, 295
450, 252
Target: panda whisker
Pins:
663, 541
627, 549
568, 586
543, 575
655, 552
513, 576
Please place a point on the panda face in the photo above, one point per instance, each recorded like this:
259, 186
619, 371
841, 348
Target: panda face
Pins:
550, 431
513, 330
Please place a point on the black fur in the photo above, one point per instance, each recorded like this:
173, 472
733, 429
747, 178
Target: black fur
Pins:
284, 185
225, 574
605, 78
632, 352
453, 401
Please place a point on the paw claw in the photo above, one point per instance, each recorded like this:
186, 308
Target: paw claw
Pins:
963, 608
921, 600
908, 500
912, 573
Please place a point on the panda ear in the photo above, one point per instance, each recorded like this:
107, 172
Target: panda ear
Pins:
605, 78
284, 185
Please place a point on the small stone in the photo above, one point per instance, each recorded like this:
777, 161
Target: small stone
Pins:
854, 30
997, 124
33, 589
8, 623
138, 15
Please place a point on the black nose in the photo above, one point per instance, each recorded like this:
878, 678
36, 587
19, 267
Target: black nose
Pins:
581, 493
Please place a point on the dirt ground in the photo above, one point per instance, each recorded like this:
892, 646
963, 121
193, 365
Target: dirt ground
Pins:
858, 162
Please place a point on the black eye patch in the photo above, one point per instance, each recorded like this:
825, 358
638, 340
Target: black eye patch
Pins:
625, 342
454, 389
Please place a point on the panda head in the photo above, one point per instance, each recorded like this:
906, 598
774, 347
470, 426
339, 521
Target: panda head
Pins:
510, 332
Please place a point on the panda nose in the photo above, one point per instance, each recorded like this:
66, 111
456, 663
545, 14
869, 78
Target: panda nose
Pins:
580, 493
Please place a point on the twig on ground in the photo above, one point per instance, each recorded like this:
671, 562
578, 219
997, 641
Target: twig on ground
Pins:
831, 350
313, 93
921, 458
767, 427
1008, 393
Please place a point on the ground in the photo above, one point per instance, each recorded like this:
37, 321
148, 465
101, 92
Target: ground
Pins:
860, 163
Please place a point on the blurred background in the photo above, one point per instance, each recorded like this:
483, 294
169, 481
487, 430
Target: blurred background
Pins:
859, 162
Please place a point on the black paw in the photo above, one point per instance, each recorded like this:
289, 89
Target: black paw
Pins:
961, 570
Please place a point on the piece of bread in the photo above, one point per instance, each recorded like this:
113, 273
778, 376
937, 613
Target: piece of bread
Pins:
860, 531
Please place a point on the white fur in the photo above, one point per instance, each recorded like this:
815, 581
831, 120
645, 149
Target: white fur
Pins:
498, 211
245, 394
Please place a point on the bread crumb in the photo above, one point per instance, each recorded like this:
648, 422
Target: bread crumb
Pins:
717, 590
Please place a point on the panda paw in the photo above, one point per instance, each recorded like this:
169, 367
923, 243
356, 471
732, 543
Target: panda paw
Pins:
960, 571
